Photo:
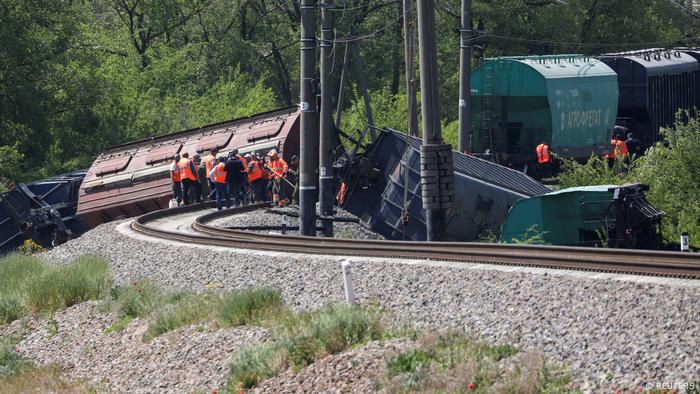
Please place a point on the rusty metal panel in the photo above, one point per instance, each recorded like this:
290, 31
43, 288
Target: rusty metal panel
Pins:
265, 130
112, 165
216, 140
163, 153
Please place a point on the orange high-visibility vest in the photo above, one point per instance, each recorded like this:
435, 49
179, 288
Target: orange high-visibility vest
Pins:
543, 154
185, 170
175, 174
244, 162
209, 162
256, 173
620, 148
220, 173
277, 167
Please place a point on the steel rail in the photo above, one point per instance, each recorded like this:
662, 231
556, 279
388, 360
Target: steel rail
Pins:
639, 262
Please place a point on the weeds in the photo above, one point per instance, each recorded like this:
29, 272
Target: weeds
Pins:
301, 339
11, 361
452, 362
250, 306
27, 285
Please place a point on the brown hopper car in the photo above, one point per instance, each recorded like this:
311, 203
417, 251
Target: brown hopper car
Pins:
132, 179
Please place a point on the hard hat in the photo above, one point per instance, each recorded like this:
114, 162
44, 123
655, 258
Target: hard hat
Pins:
272, 153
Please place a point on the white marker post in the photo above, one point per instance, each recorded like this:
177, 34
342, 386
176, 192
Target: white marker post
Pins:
685, 244
347, 280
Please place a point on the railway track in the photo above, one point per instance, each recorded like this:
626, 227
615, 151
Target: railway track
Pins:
639, 262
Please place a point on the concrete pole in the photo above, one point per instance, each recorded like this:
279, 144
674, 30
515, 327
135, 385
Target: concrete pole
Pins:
430, 102
326, 123
410, 68
465, 70
308, 149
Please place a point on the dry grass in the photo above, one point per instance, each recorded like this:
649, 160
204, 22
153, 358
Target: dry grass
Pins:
43, 380
453, 363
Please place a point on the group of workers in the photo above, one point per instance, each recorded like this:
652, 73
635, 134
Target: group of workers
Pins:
621, 148
233, 179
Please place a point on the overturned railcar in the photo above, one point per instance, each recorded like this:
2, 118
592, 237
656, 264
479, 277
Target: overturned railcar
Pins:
43, 211
132, 179
387, 196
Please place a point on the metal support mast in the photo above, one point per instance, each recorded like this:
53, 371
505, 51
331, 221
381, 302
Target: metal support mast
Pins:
326, 123
308, 150
410, 68
436, 158
465, 70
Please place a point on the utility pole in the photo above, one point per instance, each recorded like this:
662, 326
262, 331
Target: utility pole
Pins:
308, 149
437, 175
410, 68
465, 71
326, 123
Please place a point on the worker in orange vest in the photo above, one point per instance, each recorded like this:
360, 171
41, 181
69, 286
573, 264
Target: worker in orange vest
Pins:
209, 162
544, 158
176, 179
278, 170
188, 174
217, 176
256, 179
619, 148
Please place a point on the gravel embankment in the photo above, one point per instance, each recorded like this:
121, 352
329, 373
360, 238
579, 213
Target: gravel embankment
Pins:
354, 371
277, 217
612, 334
193, 358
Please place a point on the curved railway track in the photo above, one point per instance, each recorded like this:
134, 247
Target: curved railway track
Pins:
639, 262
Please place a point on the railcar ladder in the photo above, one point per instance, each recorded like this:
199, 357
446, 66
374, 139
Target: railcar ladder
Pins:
488, 80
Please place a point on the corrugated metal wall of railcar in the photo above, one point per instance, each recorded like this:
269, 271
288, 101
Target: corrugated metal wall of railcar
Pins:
653, 87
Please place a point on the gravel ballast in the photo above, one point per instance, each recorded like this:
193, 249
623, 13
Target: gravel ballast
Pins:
192, 358
611, 333
289, 216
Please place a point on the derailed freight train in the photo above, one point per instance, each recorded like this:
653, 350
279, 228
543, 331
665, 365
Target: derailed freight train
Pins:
386, 192
573, 102
132, 179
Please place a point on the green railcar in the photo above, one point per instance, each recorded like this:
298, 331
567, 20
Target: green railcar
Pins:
605, 215
568, 101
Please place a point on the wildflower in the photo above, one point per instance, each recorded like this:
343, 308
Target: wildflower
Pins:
471, 386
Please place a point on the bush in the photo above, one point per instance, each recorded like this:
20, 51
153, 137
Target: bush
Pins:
671, 169
30, 247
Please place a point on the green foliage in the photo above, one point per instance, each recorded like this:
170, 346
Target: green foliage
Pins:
595, 171
11, 361
532, 236
187, 310
250, 307
671, 170
88, 278
673, 175
27, 285
452, 362
301, 339
106, 72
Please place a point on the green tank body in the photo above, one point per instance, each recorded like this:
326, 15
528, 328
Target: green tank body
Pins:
574, 216
568, 101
